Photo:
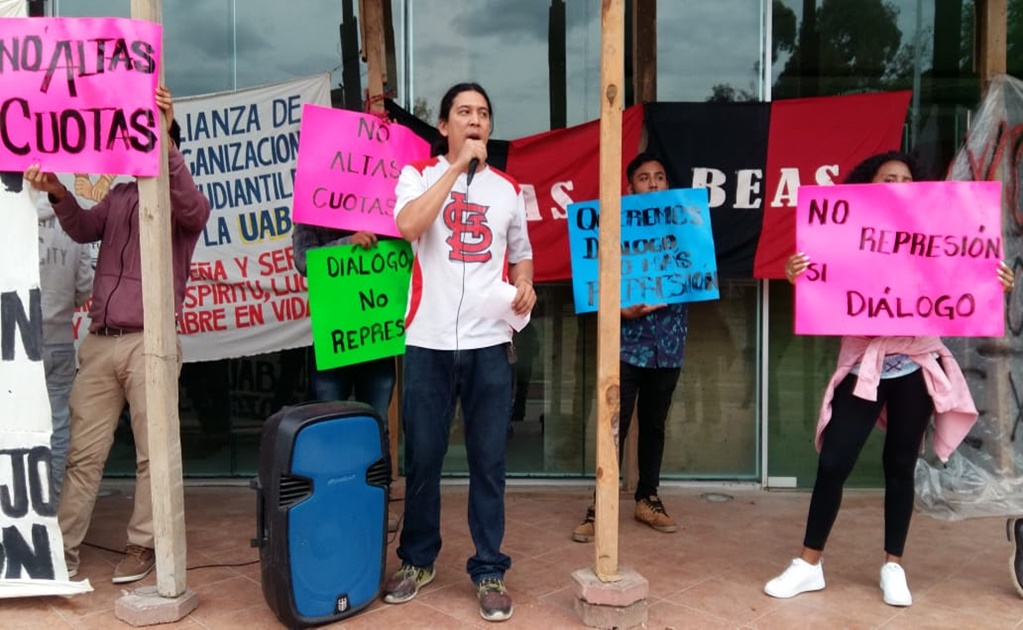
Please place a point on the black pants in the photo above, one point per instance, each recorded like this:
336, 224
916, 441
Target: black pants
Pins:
852, 419
651, 388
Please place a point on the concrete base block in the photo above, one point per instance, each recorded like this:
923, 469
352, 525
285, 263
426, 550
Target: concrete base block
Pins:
611, 617
146, 607
629, 589
619, 604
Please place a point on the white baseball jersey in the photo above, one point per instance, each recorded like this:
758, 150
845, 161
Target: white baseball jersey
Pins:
458, 259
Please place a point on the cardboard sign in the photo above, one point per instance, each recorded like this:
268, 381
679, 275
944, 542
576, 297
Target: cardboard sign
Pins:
667, 249
78, 94
32, 558
901, 259
348, 165
358, 297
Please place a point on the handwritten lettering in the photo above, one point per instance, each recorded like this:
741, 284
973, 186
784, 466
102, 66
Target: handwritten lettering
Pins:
377, 332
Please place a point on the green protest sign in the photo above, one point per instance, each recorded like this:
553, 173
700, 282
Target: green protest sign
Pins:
357, 300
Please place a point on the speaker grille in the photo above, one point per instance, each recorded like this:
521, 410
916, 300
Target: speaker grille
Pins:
291, 490
378, 474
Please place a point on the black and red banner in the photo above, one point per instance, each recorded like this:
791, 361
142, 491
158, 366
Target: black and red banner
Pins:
723, 147
752, 156
555, 169
818, 141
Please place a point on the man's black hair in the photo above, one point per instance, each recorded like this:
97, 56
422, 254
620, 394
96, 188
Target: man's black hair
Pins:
638, 161
175, 133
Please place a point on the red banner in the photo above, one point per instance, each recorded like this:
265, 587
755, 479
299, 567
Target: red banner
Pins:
555, 169
818, 141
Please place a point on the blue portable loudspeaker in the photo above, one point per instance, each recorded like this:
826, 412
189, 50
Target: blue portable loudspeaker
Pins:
321, 511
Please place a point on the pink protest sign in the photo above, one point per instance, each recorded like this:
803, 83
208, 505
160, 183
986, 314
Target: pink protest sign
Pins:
900, 259
78, 95
348, 165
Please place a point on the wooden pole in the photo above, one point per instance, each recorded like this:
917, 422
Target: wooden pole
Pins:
644, 50
373, 48
373, 45
390, 62
161, 359
992, 30
350, 79
612, 61
556, 64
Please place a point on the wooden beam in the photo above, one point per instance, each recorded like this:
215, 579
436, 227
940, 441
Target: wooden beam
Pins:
161, 359
992, 29
373, 33
372, 20
612, 74
644, 90
556, 68
644, 50
390, 57
351, 81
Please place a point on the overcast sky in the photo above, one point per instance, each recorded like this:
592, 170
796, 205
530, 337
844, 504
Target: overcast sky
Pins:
502, 44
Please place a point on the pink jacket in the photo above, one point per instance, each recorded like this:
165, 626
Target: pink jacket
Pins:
954, 411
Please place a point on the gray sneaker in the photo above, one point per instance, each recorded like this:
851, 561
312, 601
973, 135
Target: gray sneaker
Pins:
404, 585
495, 602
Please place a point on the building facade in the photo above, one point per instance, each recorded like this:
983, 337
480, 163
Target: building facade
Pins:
746, 406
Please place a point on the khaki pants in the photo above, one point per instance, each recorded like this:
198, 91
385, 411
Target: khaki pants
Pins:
112, 371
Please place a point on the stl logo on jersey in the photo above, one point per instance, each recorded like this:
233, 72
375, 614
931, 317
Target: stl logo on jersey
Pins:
471, 237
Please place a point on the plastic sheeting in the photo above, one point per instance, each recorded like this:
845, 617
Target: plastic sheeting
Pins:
984, 477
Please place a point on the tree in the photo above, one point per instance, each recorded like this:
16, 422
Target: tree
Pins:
783, 40
725, 93
422, 111
844, 46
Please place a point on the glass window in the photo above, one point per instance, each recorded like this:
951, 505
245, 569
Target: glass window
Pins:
504, 47
709, 50
712, 427
832, 47
211, 47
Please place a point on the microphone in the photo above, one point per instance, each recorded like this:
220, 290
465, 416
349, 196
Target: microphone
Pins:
473, 165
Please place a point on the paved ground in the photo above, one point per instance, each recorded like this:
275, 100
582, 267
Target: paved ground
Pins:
708, 575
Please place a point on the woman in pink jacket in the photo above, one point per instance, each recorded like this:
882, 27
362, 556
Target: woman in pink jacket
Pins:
898, 383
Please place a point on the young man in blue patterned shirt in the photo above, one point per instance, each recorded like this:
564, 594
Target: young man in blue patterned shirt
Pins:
652, 349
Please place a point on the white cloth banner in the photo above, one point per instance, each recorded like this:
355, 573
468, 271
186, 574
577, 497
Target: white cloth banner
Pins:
32, 558
244, 296
13, 8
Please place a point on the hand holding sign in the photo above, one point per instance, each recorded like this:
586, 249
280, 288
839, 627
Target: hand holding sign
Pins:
796, 265
166, 104
45, 182
1006, 276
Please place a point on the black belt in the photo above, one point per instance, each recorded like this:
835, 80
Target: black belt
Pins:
109, 331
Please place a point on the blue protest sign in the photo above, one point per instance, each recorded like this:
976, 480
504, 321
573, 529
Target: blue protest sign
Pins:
667, 249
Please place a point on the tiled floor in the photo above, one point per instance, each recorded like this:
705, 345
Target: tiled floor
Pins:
708, 575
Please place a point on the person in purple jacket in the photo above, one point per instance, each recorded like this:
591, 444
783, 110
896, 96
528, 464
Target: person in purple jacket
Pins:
112, 366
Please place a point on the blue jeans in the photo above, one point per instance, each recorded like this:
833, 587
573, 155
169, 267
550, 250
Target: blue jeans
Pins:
60, 367
434, 381
371, 382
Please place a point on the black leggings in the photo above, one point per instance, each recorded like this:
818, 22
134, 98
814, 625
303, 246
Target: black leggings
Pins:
909, 410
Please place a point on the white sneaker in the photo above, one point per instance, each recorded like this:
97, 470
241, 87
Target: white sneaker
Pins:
800, 577
893, 583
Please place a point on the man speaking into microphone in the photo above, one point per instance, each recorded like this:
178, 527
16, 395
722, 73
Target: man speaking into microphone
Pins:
467, 225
